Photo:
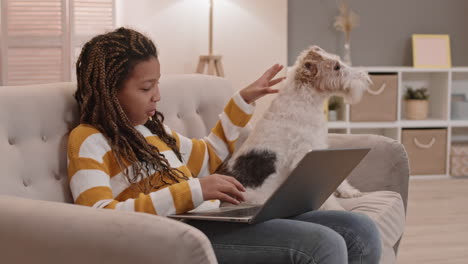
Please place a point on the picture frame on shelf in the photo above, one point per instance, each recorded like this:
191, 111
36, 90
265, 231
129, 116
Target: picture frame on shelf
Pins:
431, 51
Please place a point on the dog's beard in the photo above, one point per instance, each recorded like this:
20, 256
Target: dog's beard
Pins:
355, 91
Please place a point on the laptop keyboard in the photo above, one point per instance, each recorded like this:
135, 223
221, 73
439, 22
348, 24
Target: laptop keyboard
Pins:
241, 212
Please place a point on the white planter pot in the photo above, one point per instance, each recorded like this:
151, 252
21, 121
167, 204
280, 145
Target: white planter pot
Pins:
417, 109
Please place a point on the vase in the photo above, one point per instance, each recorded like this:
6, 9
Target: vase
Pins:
417, 109
347, 54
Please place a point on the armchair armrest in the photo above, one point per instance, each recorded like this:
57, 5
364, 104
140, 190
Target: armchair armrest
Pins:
384, 168
50, 232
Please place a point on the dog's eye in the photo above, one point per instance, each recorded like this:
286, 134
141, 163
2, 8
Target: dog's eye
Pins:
308, 65
337, 67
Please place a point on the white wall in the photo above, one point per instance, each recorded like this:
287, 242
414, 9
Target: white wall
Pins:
251, 35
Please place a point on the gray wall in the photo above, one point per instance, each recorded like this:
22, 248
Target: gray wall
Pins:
383, 37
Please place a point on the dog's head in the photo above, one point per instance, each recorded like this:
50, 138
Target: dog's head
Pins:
328, 75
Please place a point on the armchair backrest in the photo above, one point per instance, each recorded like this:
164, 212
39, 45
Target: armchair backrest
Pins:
191, 103
35, 121
34, 124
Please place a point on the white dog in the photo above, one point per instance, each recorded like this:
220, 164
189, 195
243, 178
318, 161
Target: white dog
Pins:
294, 124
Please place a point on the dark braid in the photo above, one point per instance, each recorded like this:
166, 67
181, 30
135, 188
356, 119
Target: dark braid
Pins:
104, 64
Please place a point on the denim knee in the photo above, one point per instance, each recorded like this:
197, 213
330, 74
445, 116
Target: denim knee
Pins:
358, 230
365, 245
324, 245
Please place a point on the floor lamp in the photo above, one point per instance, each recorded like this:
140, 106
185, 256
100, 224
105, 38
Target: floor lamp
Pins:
210, 61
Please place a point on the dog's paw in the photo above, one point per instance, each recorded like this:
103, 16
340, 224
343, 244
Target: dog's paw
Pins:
348, 193
331, 204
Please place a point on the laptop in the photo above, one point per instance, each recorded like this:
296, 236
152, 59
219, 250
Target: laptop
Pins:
308, 186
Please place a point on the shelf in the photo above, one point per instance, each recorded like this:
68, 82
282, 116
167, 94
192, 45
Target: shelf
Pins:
337, 124
429, 123
460, 69
374, 125
459, 123
424, 123
441, 84
412, 69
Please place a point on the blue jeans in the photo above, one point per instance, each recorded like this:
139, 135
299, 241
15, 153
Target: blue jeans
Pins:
314, 237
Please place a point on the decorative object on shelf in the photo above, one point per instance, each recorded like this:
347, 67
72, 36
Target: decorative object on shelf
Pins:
459, 107
333, 106
212, 62
431, 51
379, 102
427, 150
417, 103
459, 159
346, 22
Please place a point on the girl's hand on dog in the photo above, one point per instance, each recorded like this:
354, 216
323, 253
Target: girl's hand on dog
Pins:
262, 86
224, 188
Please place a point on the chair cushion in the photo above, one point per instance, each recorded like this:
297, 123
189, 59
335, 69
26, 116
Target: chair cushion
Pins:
386, 209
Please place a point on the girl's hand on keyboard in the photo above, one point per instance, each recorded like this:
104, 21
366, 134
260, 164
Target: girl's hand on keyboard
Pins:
222, 187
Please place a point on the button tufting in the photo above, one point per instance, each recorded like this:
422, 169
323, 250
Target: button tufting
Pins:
11, 141
25, 183
44, 138
197, 111
179, 115
57, 177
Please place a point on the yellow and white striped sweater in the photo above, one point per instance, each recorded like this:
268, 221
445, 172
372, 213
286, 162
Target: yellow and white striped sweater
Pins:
96, 179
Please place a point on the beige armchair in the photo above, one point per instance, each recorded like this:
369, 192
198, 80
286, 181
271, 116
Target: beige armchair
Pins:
39, 224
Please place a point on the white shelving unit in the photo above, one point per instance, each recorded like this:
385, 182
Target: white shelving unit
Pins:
441, 83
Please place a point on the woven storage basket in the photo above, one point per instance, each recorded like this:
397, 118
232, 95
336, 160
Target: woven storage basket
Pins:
379, 102
426, 150
459, 160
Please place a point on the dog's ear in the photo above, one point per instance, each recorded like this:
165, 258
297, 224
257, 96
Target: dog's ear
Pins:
315, 48
314, 54
311, 68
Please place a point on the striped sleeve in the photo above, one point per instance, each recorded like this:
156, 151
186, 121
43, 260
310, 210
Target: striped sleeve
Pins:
91, 183
203, 156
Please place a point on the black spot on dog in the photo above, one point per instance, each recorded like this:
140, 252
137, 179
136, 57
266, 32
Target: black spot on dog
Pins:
252, 168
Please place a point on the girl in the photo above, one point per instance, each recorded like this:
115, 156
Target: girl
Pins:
123, 157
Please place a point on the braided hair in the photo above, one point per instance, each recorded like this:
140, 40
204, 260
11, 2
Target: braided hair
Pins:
105, 63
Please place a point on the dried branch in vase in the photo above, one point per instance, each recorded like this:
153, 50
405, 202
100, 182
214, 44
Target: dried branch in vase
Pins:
346, 22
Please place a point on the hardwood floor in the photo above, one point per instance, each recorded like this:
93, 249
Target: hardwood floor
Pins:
437, 222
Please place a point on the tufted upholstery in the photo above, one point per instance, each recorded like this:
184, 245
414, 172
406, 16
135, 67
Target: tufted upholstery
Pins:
35, 121
34, 124
192, 110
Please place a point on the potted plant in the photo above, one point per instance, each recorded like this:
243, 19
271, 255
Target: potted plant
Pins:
417, 103
333, 106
